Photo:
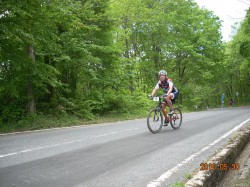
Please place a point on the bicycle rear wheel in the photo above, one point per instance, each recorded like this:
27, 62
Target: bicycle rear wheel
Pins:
155, 120
176, 119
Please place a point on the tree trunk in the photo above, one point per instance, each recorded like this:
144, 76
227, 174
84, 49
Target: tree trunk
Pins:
180, 97
30, 86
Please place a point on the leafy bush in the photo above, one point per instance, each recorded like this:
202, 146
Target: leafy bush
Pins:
11, 113
136, 102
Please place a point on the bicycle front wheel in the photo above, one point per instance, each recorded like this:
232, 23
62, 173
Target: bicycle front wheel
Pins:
155, 120
176, 119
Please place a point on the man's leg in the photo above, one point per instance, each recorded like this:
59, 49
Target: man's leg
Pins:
165, 112
168, 100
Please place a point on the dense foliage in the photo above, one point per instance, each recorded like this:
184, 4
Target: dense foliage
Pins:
236, 78
91, 57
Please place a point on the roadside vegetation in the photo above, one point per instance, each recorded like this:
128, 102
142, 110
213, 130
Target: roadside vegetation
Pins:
65, 63
178, 184
243, 182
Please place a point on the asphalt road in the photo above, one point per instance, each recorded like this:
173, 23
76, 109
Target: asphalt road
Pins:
122, 154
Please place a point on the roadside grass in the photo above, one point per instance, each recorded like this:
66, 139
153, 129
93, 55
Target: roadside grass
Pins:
38, 122
178, 184
243, 182
188, 176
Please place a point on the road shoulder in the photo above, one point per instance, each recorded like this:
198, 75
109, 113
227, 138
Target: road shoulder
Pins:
239, 177
217, 166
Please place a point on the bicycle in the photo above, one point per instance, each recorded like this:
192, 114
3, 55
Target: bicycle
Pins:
155, 122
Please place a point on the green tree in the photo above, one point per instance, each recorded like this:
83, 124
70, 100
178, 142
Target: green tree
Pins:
56, 52
173, 35
25, 28
237, 63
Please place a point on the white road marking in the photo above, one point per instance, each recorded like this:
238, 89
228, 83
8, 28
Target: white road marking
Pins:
169, 173
65, 143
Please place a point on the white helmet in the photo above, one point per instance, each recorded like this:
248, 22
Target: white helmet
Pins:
162, 72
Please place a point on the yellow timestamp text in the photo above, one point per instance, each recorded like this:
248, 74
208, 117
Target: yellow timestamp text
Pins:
219, 166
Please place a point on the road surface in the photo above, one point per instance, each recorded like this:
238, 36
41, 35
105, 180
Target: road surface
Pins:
121, 154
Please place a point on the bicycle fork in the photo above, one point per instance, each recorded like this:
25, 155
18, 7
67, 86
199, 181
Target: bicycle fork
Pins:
156, 116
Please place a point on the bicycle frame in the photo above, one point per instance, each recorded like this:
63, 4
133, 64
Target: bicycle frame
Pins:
157, 116
159, 106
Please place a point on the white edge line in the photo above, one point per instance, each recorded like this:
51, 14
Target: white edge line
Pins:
169, 173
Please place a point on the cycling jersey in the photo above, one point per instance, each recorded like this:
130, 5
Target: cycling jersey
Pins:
165, 85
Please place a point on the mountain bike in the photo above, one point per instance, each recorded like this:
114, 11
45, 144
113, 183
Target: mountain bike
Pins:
155, 117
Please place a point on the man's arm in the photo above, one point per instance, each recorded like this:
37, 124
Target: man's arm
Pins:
154, 91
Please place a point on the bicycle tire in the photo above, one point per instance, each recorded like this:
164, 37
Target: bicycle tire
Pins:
176, 119
150, 123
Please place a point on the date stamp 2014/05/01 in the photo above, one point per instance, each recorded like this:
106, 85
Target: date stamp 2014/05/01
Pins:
219, 166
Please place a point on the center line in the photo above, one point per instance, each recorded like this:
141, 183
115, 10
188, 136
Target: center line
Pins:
65, 143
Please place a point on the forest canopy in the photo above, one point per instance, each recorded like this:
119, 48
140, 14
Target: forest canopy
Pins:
92, 57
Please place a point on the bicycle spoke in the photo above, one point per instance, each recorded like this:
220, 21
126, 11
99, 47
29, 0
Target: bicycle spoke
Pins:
154, 121
176, 119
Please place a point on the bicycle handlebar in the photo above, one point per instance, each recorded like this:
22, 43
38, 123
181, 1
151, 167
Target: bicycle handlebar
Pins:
161, 96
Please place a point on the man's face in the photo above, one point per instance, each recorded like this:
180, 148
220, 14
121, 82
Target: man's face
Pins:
162, 77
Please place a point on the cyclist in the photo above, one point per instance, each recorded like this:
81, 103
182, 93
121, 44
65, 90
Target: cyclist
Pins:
222, 100
171, 93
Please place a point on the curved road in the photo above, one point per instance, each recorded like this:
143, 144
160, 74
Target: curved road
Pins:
121, 154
